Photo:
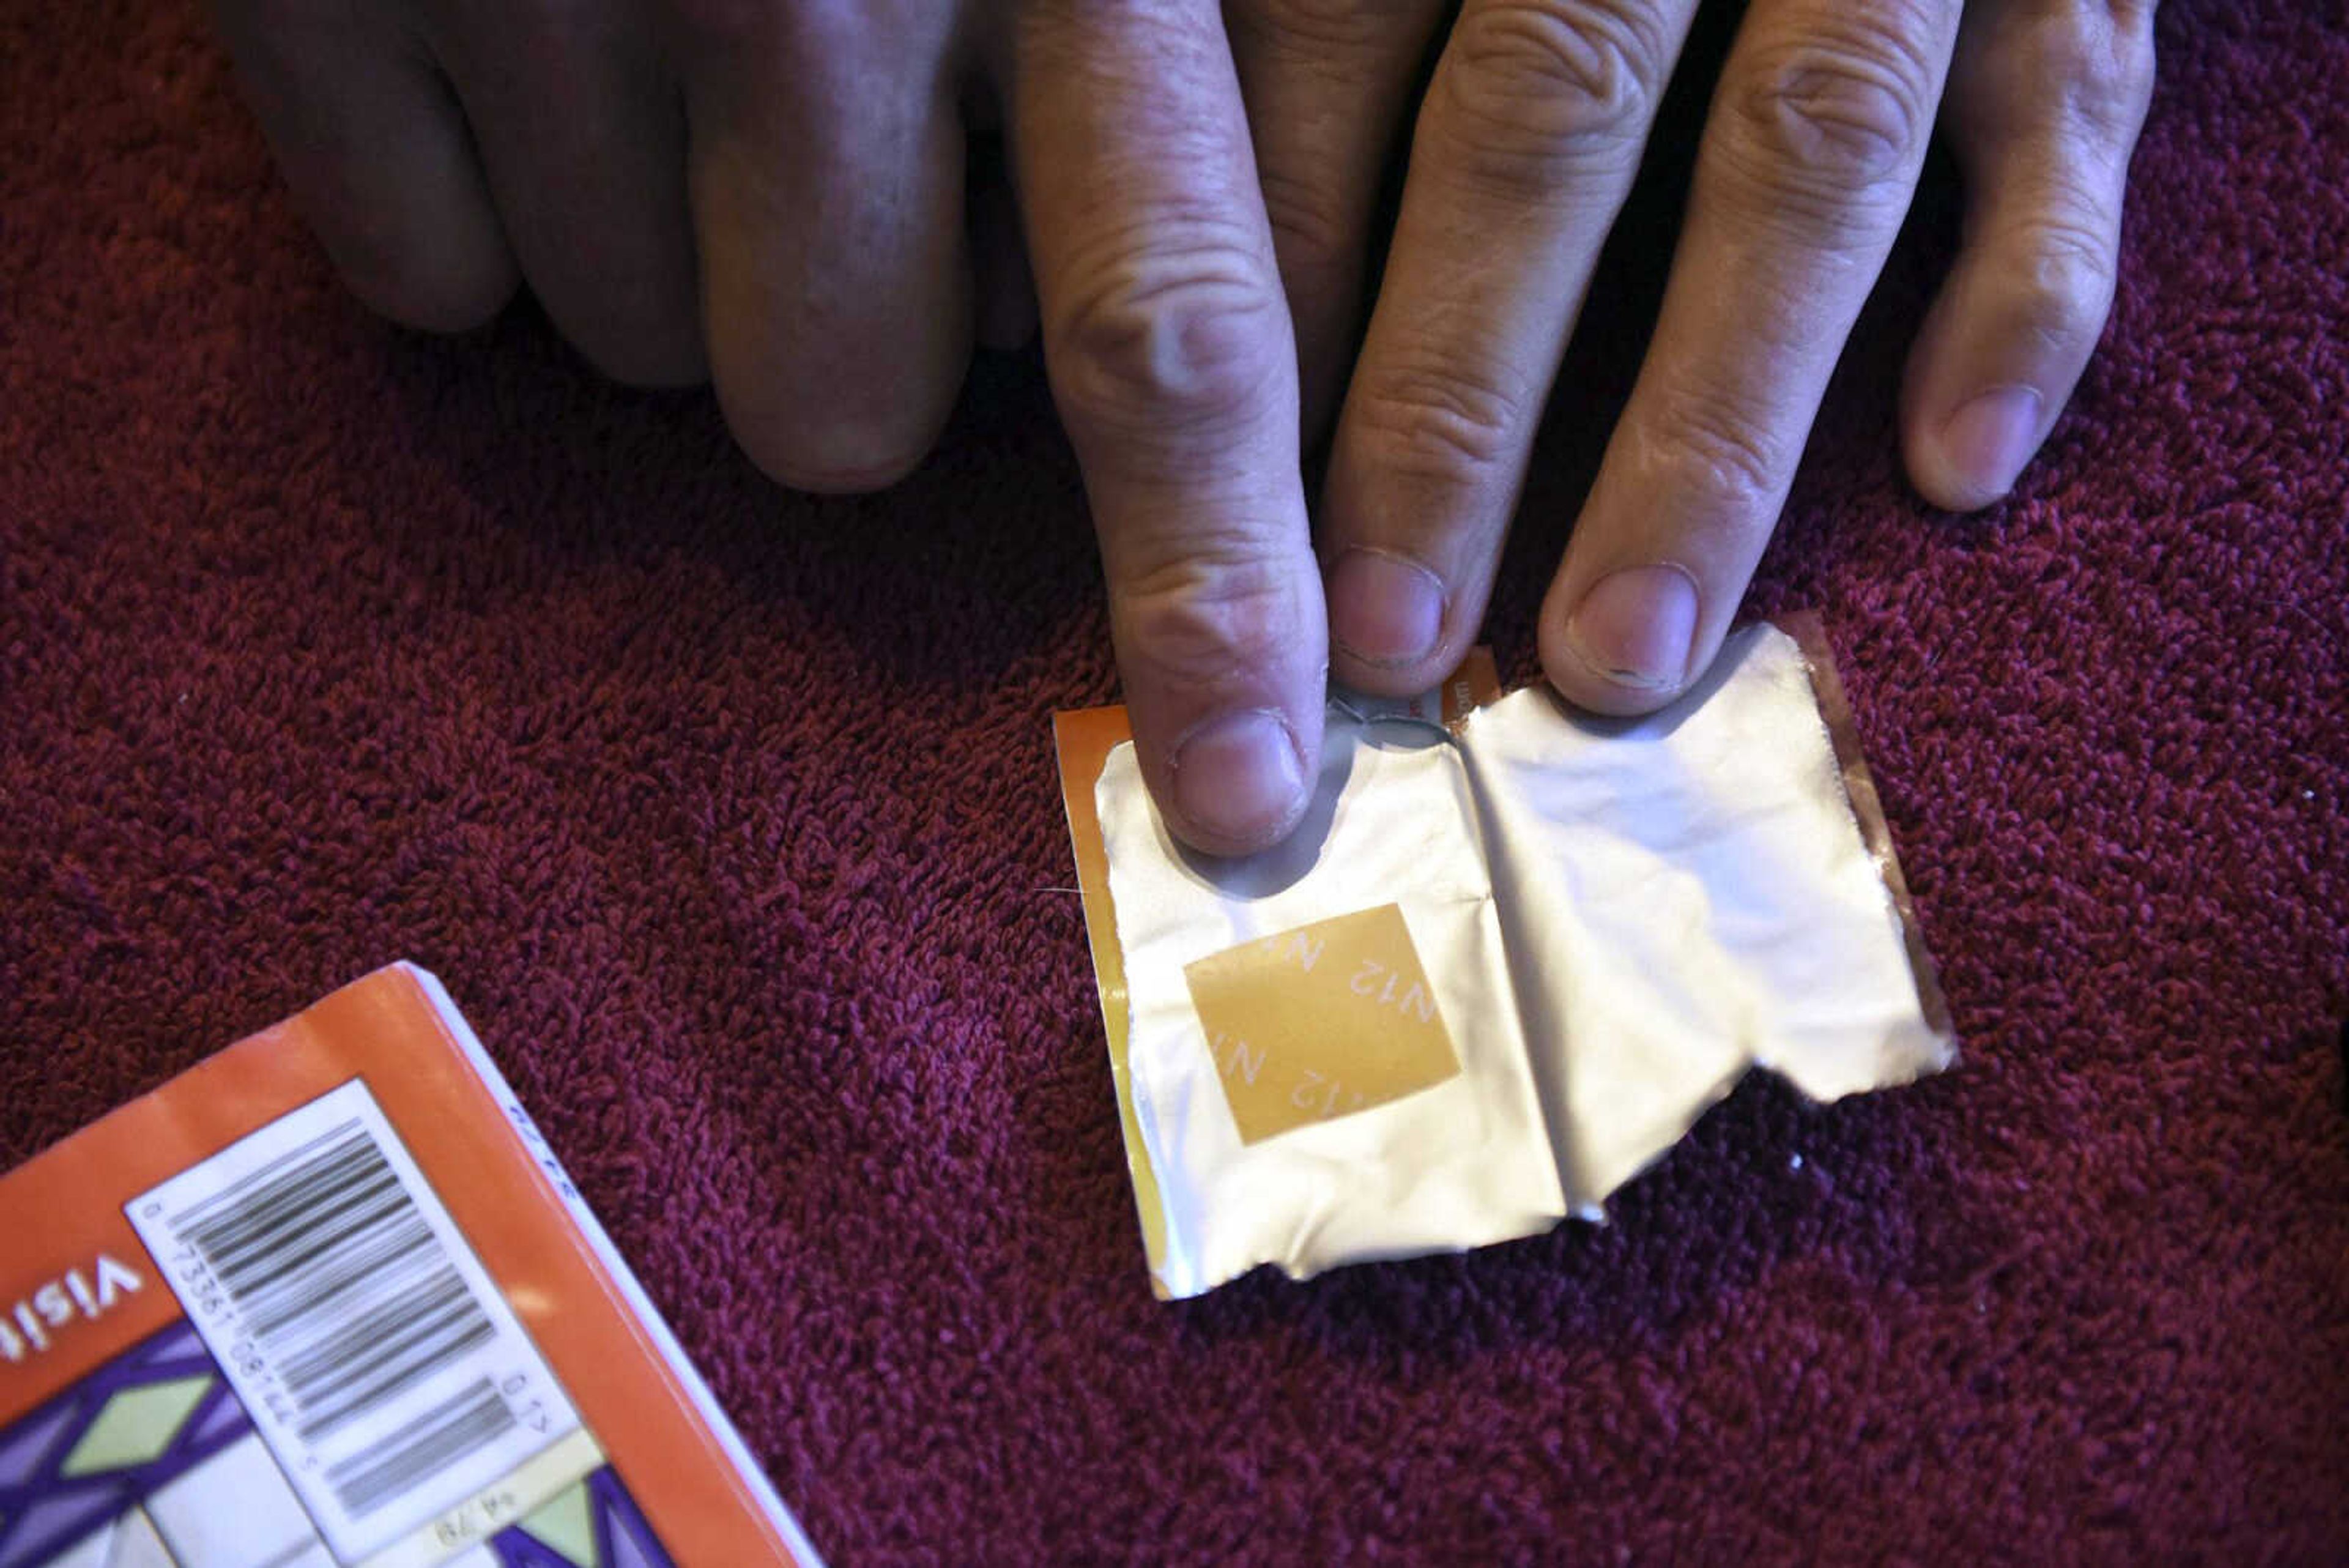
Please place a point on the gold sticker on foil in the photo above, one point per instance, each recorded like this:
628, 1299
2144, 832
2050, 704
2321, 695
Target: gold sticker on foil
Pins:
1320, 1022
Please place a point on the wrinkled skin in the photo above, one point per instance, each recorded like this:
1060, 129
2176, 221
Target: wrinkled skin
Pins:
779, 195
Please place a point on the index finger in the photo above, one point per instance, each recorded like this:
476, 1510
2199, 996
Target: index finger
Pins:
1171, 360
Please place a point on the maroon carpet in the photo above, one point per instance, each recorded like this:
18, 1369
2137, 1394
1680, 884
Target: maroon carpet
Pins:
729, 818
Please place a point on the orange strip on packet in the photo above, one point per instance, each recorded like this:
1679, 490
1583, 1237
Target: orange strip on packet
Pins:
1084, 740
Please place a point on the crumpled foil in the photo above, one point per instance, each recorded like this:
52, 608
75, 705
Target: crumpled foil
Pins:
1616, 918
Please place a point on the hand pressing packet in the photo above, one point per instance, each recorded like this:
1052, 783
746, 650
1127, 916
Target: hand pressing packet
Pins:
1323, 1045
1505, 962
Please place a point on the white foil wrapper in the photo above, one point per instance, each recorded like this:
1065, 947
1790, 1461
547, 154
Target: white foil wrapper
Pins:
1460, 1164
1615, 919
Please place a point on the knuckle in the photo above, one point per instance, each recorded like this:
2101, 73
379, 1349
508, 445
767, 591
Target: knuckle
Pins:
2095, 62
2058, 280
1711, 444
2116, 97
1167, 338
1427, 417
1844, 107
1212, 616
1536, 88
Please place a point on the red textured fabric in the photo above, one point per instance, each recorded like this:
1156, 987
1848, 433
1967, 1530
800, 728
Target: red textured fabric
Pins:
729, 816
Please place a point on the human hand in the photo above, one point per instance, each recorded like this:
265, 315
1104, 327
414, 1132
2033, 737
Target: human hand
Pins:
773, 192
1524, 149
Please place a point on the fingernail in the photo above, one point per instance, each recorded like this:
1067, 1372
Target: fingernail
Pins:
1637, 626
1384, 609
1238, 776
1989, 440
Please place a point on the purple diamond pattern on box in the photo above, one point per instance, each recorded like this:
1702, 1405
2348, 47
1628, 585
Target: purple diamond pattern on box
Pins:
114, 1438
117, 1455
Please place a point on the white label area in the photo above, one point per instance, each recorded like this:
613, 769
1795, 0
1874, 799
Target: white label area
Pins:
381, 1366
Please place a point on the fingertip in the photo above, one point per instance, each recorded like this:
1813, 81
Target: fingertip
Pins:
457, 282
1237, 783
1628, 646
1387, 621
1225, 671
1970, 457
1589, 689
375, 153
836, 286
851, 446
830, 465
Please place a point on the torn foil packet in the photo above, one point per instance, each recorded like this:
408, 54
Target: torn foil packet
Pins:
1511, 955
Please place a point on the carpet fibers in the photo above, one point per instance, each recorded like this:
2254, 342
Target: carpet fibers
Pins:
729, 816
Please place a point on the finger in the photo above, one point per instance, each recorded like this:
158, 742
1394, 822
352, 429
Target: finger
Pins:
584, 145
825, 174
1169, 348
1528, 141
1325, 83
2043, 109
1807, 168
376, 155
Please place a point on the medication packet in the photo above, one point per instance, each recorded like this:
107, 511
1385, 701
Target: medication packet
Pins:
1365, 1091
1510, 956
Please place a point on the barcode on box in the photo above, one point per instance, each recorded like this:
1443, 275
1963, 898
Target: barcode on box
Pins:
384, 1369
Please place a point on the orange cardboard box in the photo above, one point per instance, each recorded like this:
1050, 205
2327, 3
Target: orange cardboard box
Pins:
328, 1301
